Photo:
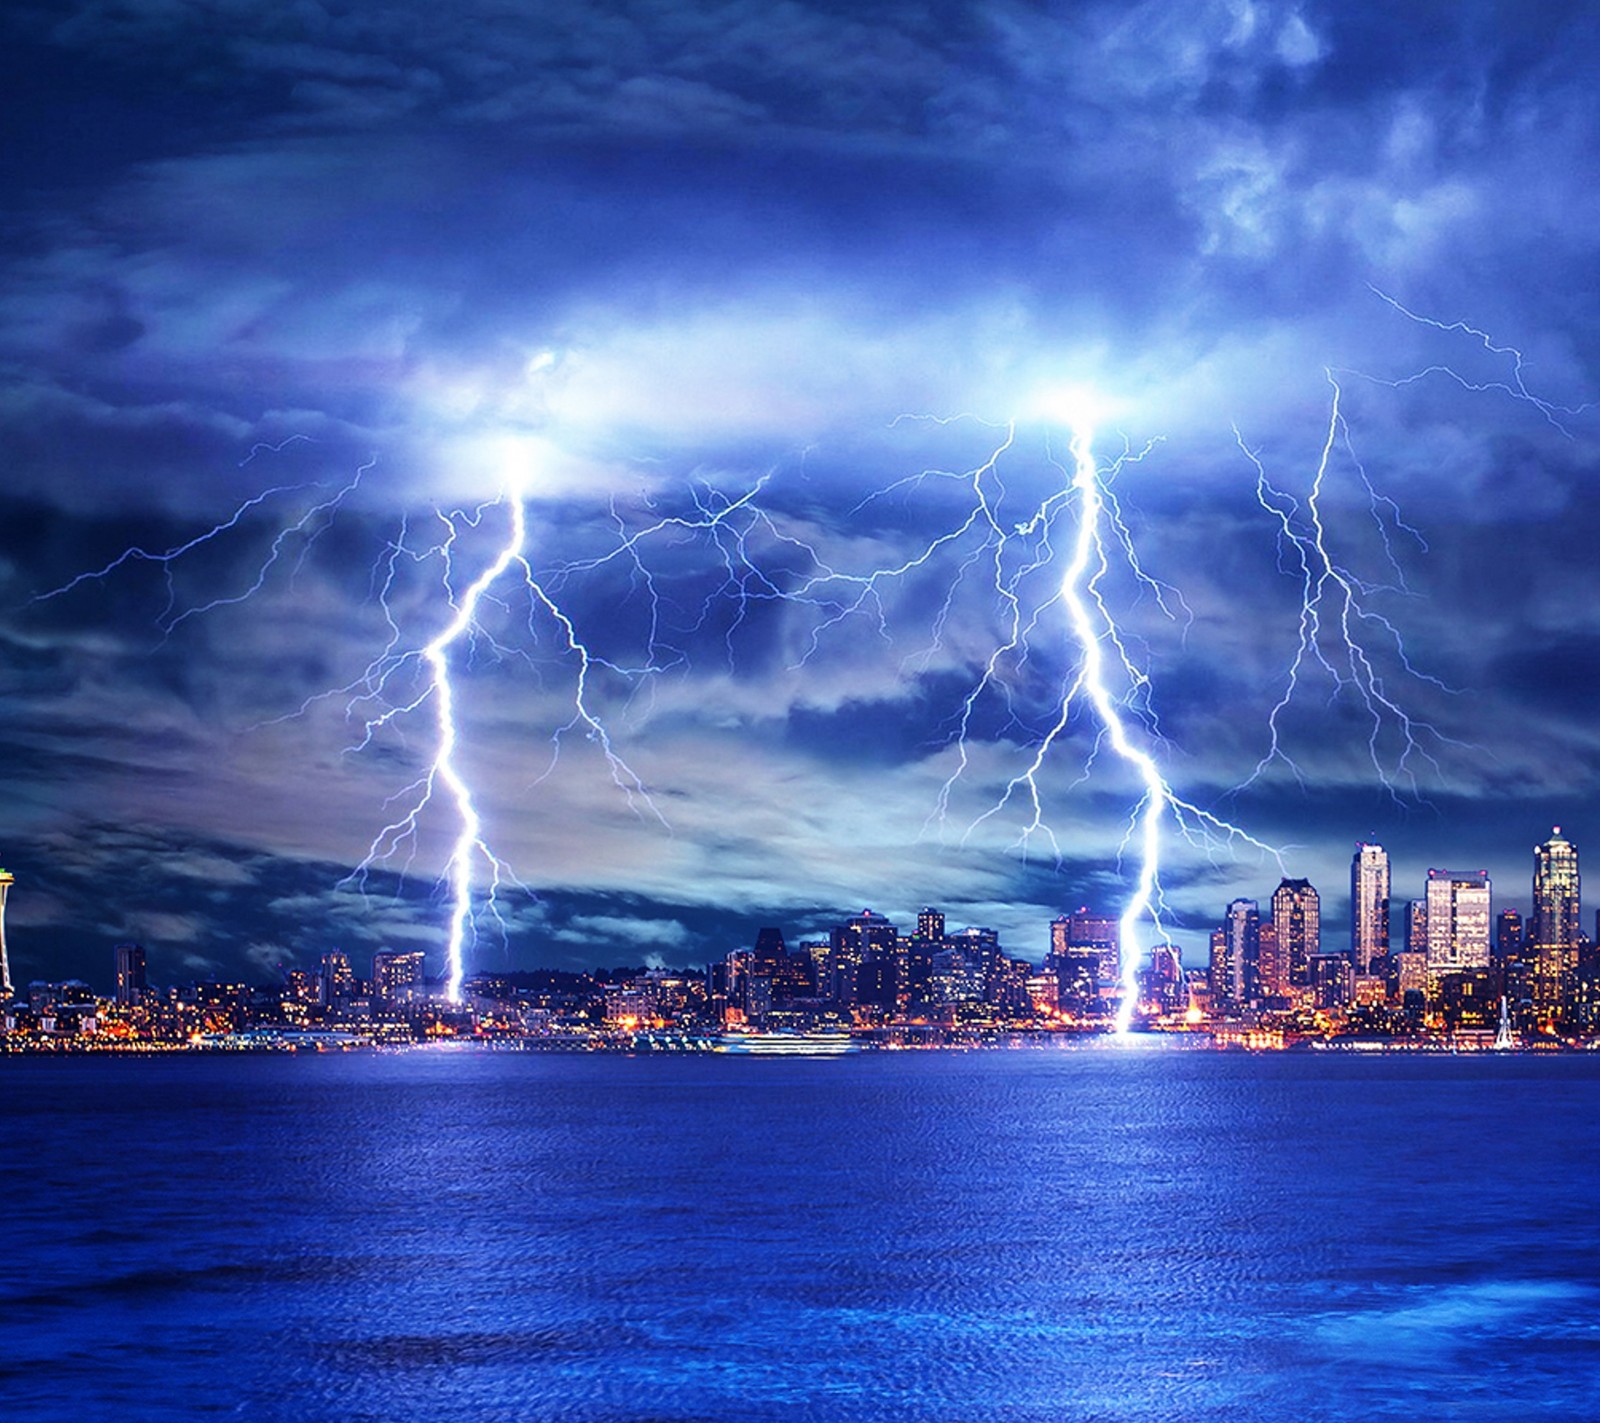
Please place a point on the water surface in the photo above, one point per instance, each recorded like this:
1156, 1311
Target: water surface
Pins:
947, 1237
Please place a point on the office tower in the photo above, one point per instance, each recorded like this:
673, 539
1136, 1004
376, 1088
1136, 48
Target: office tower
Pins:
1369, 908
770, 950
1417, 927
7, 879
338, 979
930, 925
1272, 969
1554, 927
1332, 981
396, 974
1236, 956
1458, 921
1297, 920
131, 983
1088, 932
1508, 937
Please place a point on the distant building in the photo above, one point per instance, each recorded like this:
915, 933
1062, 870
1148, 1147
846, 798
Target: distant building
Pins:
1458, 921
396, 975
1417, 927
1236, 957
338, 979
1332, 979
1555, 930
1508, 936
1084, 930
131, 983
1297, 918
1369, 907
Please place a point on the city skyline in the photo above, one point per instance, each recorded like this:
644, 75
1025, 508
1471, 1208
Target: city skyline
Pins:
1284, 929
763, 344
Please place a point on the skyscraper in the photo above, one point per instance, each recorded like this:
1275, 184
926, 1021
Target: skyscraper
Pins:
1458, 921
1236, 956
131, 983
7, 879
1297, 917
1088, 932
396, 974
1555, 935
1369, 907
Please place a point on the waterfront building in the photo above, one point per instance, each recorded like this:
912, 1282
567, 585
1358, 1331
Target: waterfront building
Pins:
1297, 920
7, 879
132, 985
1369, 907
1554, 928
1457, 921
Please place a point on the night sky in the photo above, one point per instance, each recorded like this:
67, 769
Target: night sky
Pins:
746, 293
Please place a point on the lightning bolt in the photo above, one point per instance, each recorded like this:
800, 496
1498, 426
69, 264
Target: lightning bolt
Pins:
469, 844
1107, 681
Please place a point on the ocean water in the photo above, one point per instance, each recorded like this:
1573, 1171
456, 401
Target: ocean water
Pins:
944, 1237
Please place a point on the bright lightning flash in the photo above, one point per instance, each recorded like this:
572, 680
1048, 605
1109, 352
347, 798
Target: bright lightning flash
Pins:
469, 843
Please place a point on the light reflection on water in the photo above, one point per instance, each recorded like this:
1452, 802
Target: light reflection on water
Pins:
948, 1237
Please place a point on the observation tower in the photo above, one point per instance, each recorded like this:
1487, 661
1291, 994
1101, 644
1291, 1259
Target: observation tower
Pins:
7, 879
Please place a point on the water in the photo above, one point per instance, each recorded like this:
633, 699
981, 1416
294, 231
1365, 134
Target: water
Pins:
944, 1237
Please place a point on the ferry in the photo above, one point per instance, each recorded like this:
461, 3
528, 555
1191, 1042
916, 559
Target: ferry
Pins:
819, 1042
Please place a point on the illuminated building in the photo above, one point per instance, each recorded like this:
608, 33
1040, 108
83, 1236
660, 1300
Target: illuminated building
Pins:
7, 879
131, 983
1411, 975
930, 925
1458, 921
1369, 906
1161, 985
1417, 927
1272, 970
1297, 918
1332, 978
1085, 931
1554, 928
1508, 936
1235, 956
338, 979
396, 975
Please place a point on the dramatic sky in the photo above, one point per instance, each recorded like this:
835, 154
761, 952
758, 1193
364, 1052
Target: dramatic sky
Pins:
744, 297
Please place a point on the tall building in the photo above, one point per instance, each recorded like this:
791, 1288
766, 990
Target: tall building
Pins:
1297, 918
1085, 931
930, 925
1369, 908
1554, 928
1236, 956
7, 879
338, 978
1458, 921
1508, 936
396, 974
1417, 927
131, 983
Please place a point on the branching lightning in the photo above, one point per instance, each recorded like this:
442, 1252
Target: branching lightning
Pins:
1040, 596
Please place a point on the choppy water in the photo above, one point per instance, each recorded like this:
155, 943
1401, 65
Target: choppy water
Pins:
1058, 1235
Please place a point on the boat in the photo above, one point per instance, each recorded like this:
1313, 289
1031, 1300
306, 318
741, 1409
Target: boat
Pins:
819, 1042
